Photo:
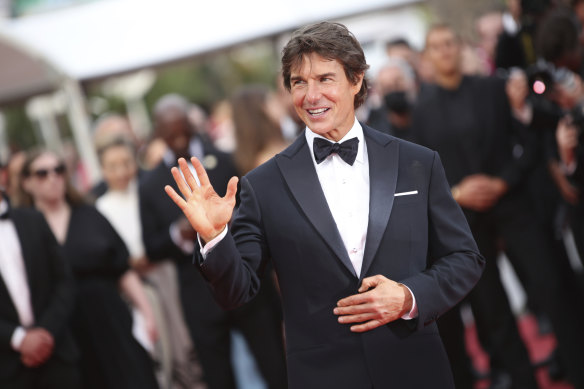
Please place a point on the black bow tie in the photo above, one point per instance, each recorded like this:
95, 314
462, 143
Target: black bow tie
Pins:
347, 150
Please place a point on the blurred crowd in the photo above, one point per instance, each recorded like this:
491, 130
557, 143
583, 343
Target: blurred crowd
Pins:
119, 304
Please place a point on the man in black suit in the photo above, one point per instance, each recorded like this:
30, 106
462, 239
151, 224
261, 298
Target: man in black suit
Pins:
468, 120
36, 300
167, 234
368, 245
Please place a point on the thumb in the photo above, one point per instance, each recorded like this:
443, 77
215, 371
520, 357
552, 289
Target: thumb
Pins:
368, 283
231, 189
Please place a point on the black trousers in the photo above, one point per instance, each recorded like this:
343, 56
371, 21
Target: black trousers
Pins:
259, 321
54, 374
548, 280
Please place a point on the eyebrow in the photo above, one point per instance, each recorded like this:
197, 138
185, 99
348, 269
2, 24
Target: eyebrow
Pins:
329, 74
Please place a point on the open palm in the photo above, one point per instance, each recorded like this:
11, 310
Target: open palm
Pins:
207, 212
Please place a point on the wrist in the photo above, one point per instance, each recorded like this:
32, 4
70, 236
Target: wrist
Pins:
209, 236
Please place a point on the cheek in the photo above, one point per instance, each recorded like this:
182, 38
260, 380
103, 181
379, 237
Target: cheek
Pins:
297, 100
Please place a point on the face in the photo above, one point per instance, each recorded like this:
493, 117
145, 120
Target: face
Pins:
118, 166
323, 97
517, 89
443, 51
173, 127
391, 78
46, 181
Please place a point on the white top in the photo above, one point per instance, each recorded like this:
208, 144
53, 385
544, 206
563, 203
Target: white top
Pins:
122, 210
13, 271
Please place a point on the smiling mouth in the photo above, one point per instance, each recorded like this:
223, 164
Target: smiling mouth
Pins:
317, 112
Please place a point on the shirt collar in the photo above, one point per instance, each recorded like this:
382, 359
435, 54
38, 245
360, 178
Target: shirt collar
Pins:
355, 132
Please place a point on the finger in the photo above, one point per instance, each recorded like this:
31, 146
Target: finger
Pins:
201, 172
175, 197
231, 189
353, 309
371, 324
189, 178
369, 283
355, 299
359, 318
181, 183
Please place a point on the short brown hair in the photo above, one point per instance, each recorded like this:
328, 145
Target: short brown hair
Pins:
331, 41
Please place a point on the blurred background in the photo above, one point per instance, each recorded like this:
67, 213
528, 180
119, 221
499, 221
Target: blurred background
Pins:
67, 64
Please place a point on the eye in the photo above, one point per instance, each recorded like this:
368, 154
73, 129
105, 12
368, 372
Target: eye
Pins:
297, 82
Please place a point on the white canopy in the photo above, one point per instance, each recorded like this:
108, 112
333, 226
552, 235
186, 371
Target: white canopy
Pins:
107, 37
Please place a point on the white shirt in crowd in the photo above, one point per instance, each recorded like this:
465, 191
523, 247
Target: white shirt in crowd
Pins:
122, 209
13, 271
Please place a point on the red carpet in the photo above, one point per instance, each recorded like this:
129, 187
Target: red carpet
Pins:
539, 347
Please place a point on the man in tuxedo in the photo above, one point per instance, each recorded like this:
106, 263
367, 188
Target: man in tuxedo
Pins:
36, 300
368, 245
468, 121
167, 234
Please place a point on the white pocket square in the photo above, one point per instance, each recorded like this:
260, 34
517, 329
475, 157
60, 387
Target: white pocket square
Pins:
413, 192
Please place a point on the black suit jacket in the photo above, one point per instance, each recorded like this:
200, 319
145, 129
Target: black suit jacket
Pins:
421, 240
51, 291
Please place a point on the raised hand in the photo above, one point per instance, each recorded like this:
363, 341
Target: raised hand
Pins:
207, 212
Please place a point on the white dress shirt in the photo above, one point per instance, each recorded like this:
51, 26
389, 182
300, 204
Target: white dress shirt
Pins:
13, 271
346, 189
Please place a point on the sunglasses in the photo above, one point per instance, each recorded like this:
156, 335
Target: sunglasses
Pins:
59, 170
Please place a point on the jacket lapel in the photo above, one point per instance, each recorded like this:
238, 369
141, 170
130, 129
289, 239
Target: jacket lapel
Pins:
298, 171
383, 155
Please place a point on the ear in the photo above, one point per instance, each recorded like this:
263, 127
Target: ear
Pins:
357, 85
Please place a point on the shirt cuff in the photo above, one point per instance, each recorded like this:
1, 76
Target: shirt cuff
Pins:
186, 246
212, 243
17, 338
413, 313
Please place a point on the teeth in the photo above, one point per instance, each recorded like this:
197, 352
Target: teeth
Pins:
316, 111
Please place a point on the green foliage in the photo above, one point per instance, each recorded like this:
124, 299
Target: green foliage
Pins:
212, 78
20, 130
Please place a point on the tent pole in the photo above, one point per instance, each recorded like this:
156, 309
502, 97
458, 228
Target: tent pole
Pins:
80, 125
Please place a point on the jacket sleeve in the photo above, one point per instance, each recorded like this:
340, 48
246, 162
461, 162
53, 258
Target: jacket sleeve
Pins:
233, 265
454, 262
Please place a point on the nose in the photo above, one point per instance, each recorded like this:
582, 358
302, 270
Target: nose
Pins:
313, 93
